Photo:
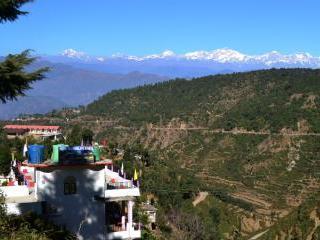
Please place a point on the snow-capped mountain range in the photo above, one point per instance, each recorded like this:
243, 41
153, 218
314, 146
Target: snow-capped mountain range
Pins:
224, 55
191, 64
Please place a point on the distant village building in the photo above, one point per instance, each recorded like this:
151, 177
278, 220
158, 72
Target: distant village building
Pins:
13, 131
151, 211
85, 196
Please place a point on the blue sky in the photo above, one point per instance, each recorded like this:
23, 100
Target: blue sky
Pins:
140, 27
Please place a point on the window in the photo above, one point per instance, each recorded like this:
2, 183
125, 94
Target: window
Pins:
70, 185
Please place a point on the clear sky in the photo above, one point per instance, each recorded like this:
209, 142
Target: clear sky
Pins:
140, 27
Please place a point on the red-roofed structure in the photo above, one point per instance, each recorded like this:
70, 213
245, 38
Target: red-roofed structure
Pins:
31, 127
33, 130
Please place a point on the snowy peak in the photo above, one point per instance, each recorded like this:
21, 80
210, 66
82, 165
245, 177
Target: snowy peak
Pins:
78, 55
219, 55
298, 58
71, 53
165, 54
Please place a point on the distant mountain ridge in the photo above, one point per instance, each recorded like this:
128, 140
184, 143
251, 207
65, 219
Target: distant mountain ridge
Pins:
77, 86
66, 85
30, 105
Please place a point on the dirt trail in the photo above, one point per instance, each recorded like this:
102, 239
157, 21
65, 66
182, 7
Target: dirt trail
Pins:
201, 197
253, 199
220, 180
315, 218
235, 132
258, 235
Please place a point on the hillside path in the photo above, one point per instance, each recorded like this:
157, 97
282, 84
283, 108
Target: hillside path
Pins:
201, 197
235, 132
316, 220
255, 237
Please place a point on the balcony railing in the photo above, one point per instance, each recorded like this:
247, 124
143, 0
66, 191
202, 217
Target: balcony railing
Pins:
120, 185
130, 233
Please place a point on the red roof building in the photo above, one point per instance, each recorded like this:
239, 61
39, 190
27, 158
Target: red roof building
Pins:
34, 130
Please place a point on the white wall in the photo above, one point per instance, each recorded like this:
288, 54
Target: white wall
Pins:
78, 211
19, 208
30, 170
14, 191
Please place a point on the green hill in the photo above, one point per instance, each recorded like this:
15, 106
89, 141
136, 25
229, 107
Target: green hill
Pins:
250, 140
270, 99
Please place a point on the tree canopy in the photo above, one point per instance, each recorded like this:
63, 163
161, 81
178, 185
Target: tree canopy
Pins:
14, 79
10, 9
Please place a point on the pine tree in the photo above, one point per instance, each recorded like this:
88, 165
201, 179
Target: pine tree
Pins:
10, 9
14, 79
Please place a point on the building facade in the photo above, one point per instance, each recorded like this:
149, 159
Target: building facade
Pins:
88, 199
13, 131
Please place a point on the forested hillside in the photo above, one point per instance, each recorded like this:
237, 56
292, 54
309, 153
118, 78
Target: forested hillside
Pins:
261, 100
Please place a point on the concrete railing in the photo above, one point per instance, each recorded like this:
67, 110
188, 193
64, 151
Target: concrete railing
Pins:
120, 185
121, 193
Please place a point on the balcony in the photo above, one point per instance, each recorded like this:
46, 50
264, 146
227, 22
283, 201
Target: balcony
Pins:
119, 188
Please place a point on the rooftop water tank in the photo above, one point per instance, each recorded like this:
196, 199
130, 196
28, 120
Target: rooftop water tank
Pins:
55, 152
96, 153
35, 154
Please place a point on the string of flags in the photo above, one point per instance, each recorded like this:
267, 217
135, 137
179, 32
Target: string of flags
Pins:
134, 180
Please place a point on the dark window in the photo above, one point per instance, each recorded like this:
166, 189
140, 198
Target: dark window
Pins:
70, 185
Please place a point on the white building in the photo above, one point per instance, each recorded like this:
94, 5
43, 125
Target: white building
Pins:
88, 199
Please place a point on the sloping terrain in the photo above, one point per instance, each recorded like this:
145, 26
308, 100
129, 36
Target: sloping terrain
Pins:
253, 177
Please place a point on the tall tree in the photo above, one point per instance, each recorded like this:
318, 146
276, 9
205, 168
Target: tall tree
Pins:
75, 136
87, 136
5, 159
14, 79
